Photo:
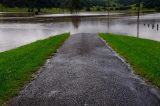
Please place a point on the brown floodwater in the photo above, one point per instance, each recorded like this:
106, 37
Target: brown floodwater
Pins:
17, 31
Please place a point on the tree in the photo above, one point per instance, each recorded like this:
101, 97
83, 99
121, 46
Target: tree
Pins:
73, 5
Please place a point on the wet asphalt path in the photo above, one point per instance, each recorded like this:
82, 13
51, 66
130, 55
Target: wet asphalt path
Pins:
85, 72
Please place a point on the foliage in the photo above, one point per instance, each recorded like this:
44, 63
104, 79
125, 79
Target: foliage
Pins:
75, 5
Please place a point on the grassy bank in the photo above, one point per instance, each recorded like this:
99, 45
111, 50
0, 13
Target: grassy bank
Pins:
17, 65
44, 10
60, 10
7, 9
142, 54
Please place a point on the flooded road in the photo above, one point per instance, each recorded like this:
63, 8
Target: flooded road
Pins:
17, 31
86, 72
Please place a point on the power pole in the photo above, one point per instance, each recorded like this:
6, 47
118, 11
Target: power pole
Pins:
116, 8
108, 13
138, 17
116, 3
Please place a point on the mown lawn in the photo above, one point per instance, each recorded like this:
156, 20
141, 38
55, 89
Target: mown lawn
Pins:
142, 54
18, 65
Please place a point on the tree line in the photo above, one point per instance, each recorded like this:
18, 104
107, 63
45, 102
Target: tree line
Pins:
74, 5
146, 3
53, 3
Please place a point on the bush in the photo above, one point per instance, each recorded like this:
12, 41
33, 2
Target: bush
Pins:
88, 9
125, 8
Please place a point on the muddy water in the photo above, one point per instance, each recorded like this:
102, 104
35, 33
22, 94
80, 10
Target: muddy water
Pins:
17, 31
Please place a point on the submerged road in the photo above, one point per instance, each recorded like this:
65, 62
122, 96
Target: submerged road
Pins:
86, 72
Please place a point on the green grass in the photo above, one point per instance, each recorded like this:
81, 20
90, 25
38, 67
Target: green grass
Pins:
44, 10
7, 9
142, 54
59, 10
18, 65
54, 10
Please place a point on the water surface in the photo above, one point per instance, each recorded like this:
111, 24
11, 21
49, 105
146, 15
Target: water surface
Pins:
18, 31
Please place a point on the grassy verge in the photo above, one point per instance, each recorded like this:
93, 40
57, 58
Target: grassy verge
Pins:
142, 54
18, 65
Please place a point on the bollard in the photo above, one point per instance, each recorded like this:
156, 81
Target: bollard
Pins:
148, 25
157, 27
